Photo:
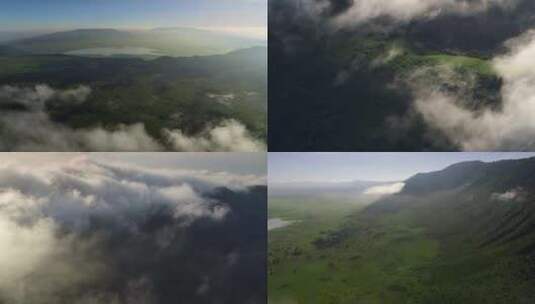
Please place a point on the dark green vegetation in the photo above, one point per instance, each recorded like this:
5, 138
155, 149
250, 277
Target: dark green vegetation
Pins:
297, 270
167, 92
353, 89
461, 235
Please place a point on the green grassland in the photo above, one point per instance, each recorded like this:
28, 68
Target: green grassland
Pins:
341, 254
364, 264
313, 218
399, 56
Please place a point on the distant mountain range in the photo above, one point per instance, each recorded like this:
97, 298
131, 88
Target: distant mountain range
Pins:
7, 36
169, 41
469, 176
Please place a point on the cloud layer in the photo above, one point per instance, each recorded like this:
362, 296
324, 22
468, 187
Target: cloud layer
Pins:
29, 128
86, 232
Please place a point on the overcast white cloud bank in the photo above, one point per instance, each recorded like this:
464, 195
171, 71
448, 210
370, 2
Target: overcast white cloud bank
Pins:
510, 128
67, 229
32, 129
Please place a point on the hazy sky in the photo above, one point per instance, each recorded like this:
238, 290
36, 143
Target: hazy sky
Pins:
69, 14
236, 163
331, 167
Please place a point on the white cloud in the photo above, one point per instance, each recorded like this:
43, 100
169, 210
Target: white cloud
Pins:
126, 138
509, 128
229, 136
33, 130
29, 253
256, 32
385, 189
406, 10
30, 97
82, 188
22, 248
512, 195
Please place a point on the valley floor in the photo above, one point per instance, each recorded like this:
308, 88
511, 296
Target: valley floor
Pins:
336, 253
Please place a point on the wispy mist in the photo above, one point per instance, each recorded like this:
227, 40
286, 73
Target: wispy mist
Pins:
510, 127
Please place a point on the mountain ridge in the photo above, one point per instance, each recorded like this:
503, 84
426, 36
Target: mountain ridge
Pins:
479, 204
180, 41
461, 173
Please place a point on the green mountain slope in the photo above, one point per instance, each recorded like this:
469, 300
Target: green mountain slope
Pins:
483, 218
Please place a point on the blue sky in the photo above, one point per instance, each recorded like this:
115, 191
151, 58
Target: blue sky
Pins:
69, 14
332, 167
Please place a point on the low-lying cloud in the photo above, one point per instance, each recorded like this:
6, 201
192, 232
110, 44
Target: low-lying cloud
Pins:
512, 195
35, 97
510, 127
30, 128
87, 232
230, 135
385, 189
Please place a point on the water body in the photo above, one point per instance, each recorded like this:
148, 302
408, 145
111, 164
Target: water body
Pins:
276, 223
115, 51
